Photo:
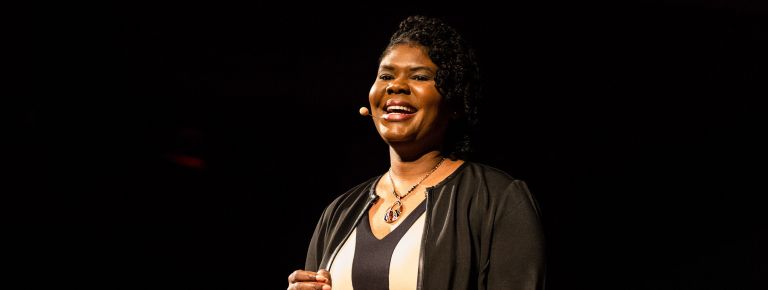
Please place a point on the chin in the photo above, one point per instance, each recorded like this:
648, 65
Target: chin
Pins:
396, 138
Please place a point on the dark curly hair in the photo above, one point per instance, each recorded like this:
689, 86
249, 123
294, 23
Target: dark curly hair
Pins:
457, 79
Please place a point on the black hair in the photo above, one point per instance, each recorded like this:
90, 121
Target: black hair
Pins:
457, 79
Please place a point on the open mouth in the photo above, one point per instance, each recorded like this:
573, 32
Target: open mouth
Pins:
399, 109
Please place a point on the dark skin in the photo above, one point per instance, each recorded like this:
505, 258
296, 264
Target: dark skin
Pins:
406, 76
306, 280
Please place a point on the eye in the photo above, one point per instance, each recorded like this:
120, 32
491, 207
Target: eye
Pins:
421, 77
385, 77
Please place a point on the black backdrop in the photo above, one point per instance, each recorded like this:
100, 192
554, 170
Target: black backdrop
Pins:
195, 147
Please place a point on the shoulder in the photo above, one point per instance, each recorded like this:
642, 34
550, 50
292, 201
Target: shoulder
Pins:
487, 174
495, 184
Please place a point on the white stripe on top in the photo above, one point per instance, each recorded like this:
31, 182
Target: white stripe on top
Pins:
403, 268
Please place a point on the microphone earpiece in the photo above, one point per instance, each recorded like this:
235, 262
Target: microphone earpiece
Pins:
365, 112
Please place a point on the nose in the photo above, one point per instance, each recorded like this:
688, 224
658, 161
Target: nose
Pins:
396, 86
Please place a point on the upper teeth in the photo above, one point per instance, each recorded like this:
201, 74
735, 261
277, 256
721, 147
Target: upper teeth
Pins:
401, 108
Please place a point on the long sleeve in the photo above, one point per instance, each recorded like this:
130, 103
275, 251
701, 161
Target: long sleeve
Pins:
517, 258
317, 244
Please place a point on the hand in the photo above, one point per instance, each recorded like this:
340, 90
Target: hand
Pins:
305, 280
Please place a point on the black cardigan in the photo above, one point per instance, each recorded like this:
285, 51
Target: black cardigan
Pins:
482, 231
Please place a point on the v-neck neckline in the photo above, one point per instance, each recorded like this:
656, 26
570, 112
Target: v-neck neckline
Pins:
406, 224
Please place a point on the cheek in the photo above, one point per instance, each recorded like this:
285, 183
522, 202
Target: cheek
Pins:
374, 94
429, 97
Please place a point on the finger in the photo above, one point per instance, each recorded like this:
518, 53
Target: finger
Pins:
305, 276
292, 277
325, 274
312, 276
309, 286
298, 276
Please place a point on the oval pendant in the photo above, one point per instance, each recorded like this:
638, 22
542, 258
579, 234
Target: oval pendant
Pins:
393, 212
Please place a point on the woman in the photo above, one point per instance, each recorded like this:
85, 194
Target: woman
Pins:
433, 220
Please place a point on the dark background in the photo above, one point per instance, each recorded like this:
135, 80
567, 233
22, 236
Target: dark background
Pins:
195, 146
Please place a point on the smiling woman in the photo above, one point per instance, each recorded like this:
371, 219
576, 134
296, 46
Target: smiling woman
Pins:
434, 220
405, 96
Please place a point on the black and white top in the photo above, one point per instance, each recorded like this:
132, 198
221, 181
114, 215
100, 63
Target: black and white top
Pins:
366, 262
481, 230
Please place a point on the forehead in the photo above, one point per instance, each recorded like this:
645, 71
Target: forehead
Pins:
406, 55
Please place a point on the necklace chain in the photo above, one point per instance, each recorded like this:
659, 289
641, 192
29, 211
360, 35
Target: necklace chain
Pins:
394, 191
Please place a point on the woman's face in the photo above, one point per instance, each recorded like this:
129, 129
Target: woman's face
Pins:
405, 97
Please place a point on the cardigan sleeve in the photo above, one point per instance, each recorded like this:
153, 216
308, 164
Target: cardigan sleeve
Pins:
317, 244
517, 258
335, 217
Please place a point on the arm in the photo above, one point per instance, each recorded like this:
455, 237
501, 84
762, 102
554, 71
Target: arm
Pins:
517, 242
316, 245
311, 277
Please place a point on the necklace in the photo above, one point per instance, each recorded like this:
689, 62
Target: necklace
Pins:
394, 211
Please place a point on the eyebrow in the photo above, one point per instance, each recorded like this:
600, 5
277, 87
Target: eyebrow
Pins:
414, 68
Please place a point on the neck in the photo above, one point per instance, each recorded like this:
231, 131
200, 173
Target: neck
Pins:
413, 167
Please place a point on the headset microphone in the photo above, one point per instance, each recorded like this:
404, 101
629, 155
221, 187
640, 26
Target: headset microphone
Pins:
365, 112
